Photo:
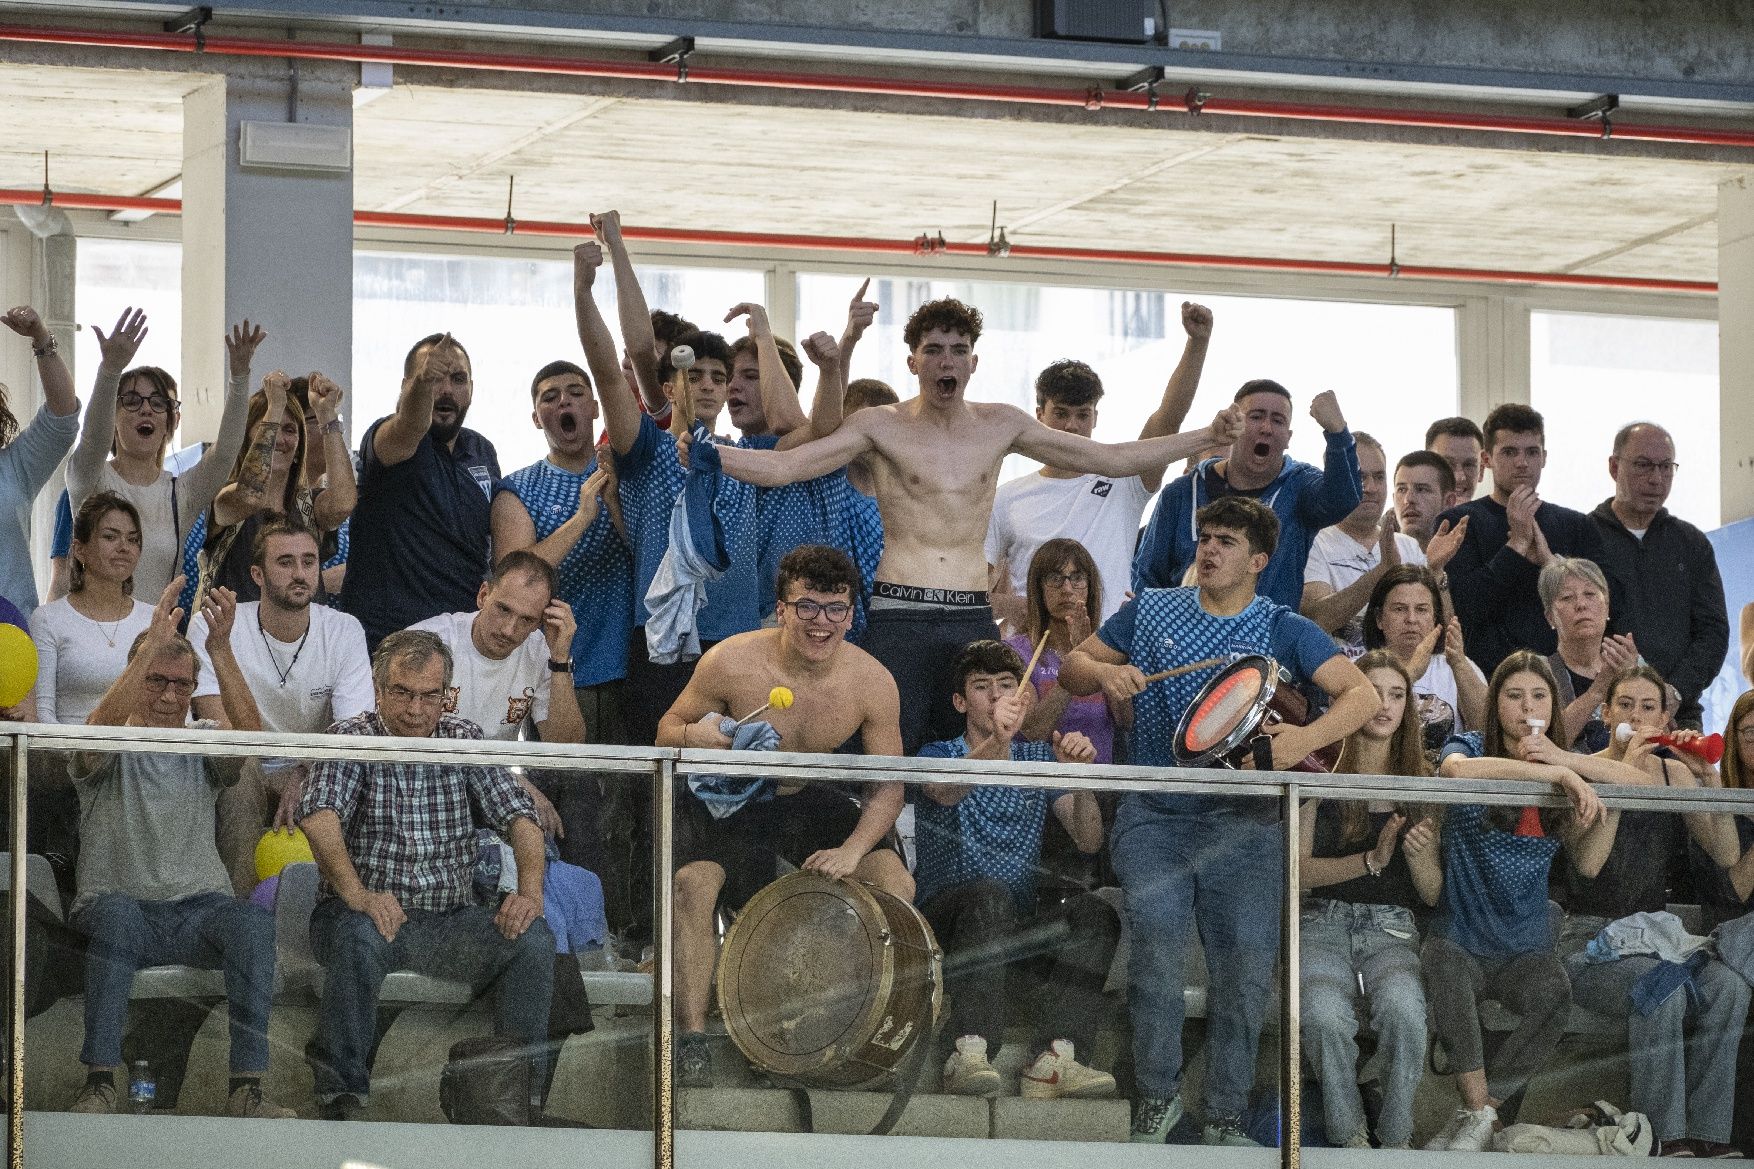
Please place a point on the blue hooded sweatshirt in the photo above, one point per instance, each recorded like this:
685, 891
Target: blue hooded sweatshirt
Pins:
1305, 498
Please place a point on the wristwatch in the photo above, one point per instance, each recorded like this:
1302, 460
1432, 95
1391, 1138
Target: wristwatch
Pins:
1371, 866
555, 667
49, 347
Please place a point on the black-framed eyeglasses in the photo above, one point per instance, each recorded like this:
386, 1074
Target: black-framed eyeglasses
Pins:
158, 684
1645, 466
409, 697
1058, 580
808, 610
159, 403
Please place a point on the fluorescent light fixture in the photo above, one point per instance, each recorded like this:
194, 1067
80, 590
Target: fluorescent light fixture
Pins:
295, 146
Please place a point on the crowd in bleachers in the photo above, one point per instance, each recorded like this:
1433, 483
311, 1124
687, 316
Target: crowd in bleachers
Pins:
652, 582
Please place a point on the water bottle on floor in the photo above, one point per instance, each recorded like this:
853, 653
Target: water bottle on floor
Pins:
142, 1088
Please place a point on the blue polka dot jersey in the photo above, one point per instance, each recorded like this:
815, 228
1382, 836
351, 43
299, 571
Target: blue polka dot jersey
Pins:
991, 833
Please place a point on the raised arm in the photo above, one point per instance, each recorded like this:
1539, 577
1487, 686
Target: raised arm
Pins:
620, 411
1073, 452
99, 433
779, 397
58, 392
828, 409
247, 494
122, 699
813, 460
202, 482
341, 490
220, 610
398, 436
1184, 381
635, 317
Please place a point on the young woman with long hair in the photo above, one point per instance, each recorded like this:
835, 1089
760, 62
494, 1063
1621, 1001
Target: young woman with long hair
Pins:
1493, 936
1405, 615
1370, 866
1726, 893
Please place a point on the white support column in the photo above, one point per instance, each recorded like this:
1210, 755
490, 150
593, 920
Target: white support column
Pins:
782, 302
1492, 334
275, 246
1735, 314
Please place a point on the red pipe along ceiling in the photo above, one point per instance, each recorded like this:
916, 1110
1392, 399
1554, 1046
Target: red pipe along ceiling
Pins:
1088, 97
867, 245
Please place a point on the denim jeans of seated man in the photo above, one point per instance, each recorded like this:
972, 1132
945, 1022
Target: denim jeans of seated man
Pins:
1344, 943
1681, 1058
1221, 872
461, 944
213, 931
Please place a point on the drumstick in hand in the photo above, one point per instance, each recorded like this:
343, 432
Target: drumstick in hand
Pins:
1029, 672
1206, 664
681, 401
779, 698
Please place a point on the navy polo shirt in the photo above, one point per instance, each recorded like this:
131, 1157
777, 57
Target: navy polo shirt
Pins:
421, 533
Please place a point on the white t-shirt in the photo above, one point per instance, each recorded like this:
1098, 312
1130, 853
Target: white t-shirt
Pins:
298, 688
496, 696
1338, 560
78, 658
1099, 511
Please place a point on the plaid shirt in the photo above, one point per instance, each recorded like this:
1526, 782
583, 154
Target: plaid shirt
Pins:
408, 827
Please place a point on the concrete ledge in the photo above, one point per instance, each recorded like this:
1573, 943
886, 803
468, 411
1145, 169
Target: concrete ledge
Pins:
1015, 1118
847, 1113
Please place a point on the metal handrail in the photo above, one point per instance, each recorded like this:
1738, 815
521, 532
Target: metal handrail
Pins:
787, 765
661, 766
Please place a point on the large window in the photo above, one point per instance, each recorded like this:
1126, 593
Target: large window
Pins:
1393, 367
514, 317
1590, 374
117, 274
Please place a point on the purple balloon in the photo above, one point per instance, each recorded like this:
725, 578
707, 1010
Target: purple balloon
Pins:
264, 894
10, 614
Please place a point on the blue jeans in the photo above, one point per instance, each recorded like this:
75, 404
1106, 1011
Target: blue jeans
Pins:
461, 944
214, 931
1223, 873
1682, 1076
1346, 946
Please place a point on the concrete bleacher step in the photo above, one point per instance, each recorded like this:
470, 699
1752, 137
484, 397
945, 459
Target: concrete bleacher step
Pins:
852, 1113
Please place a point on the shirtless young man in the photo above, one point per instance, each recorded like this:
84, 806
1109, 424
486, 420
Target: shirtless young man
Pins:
838, 691
936, 464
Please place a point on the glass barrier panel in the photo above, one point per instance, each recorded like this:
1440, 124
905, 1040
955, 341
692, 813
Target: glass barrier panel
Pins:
188, 959
1501, 977
980, 975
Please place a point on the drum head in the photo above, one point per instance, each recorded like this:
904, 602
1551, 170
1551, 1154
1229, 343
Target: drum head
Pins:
1226, 712
801, 969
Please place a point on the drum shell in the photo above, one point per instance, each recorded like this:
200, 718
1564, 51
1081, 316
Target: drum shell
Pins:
877, 951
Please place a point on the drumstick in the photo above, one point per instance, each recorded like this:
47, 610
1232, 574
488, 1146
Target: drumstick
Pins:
779, 698
1207, 664
1039, 646
681, 401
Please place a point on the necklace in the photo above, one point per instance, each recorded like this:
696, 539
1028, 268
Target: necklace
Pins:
274, 658
109, 634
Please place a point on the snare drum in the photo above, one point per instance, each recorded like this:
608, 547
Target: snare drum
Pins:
1221, 724
829, 983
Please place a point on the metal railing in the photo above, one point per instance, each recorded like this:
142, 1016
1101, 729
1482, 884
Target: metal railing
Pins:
664, 766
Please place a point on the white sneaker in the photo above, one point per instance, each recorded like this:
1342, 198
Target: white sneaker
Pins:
967, 1072
1055, 1073
1475, 1134
1448, 1132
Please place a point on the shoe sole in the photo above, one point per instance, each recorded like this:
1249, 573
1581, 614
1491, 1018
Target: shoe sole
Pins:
1052, 1092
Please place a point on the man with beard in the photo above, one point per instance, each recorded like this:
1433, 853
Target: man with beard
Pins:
731, 852
1306, 499
421, 527
305, 665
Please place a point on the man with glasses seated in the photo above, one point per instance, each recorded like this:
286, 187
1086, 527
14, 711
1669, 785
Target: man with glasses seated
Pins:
1673, 604
731, 836
395, 842
152, 889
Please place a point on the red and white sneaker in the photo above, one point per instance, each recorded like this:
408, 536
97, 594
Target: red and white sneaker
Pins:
1055, 1074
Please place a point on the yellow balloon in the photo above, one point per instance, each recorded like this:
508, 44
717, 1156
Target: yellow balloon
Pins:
278, 849
779, 698
18, 665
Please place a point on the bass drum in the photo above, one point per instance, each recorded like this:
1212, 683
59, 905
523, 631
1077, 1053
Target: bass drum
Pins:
828, 983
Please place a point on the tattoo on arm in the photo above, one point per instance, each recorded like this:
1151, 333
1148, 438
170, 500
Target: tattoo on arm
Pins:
253, 473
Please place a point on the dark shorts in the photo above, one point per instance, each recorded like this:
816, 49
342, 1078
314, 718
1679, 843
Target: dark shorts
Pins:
750, 843
919, 648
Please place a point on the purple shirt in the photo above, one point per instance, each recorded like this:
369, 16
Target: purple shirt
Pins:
1087, 715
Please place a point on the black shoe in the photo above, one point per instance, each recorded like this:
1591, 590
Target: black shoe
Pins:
694, 1062
344, 1107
